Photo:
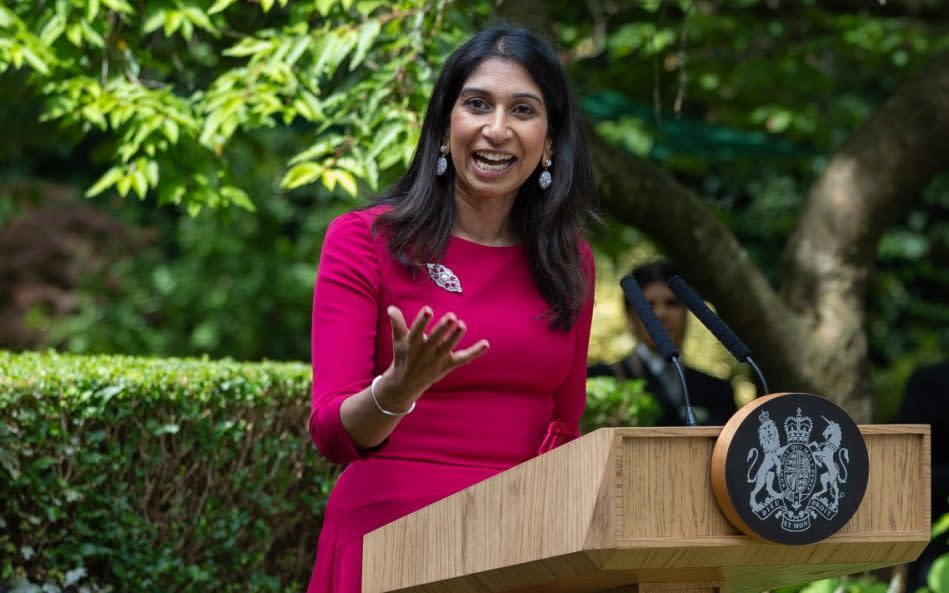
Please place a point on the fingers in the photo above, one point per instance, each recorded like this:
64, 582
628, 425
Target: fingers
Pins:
438, 346
417, 331
465, 356
445, 327
454, 336
397, 320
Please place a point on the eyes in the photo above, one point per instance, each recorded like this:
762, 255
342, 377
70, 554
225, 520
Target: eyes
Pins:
479, 105
667, 303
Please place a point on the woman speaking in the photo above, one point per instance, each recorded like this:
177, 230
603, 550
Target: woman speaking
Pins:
451, 319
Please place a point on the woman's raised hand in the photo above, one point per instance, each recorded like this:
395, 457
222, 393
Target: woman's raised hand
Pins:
419, 359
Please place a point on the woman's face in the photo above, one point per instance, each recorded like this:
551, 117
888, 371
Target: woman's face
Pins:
668, 309
498, 131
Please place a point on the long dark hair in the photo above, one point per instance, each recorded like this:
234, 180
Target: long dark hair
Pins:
550, 222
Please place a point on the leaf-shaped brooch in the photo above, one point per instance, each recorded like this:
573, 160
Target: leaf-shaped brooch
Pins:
444, 277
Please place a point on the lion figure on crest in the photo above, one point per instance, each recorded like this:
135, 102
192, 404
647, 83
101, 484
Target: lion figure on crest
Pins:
767, 472
824, 455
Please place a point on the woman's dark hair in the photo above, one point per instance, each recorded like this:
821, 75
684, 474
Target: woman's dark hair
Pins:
650, 273
550, 222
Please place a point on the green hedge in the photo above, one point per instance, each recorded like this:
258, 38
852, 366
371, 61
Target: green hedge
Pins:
130, 474
136, 474
141, 474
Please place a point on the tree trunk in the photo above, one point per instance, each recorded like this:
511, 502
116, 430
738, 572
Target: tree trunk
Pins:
810, 337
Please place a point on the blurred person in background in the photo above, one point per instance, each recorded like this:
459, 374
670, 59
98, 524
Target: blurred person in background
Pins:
712, 398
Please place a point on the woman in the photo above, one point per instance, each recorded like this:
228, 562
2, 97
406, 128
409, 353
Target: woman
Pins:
484, 233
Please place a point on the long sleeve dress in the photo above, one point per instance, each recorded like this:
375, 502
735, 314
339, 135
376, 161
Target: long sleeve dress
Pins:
522, 397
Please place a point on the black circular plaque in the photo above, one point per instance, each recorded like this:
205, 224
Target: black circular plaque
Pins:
794, 468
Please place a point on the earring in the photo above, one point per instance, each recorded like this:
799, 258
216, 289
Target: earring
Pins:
545, 178
441, 165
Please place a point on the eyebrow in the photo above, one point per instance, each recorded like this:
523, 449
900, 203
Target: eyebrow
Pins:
472, 90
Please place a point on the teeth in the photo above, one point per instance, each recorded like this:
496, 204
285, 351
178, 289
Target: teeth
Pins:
486, 167
495, 156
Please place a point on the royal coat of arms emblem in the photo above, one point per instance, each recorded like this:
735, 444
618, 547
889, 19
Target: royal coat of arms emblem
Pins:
800, 480
790, 468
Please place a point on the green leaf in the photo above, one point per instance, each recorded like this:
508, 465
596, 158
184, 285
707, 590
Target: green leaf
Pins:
249, 47
346, 42
324, 51
367, 7
151, 173
238, 197
53, 28
298, 48
187, 29
104, 182
153, 22
266, 5
91, 35
171, 129
385, 137
94, 114
139, 183
220, 6
200, 19
119, 6
301, 174
33, 60
941, 526
124, 184
372, 175
821, 586
367, 34
173, 20
938, 577
74, 34
92, 9
324, 6
329, 178
316, 151
347, 181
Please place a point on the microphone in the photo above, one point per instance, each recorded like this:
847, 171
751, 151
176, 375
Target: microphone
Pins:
636, 299
719, 329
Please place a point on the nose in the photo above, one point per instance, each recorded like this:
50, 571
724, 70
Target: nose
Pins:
496, 129
662, 311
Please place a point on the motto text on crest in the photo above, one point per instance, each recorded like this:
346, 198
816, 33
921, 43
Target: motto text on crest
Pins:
787, 475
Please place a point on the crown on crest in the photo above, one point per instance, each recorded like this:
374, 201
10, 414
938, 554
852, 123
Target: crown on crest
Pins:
798, 428
764, 417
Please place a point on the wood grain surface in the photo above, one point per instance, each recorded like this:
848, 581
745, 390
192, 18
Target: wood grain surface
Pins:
628, 508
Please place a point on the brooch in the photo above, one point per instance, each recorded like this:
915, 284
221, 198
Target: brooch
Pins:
444, 277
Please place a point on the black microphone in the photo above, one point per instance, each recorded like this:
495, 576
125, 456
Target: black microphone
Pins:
636, 300
719, 329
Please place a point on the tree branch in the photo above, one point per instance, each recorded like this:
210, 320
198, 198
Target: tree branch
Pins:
639, 194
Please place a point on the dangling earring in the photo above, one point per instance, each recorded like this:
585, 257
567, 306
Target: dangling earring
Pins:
545, 178
441, 165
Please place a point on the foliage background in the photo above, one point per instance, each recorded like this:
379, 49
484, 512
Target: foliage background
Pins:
295, 111
217, 140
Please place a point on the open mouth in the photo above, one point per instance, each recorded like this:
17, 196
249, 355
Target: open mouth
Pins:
493, 161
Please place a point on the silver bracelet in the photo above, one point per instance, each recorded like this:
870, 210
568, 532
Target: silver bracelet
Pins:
372, 392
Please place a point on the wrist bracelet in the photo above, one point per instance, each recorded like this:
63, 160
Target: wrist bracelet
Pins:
372, 392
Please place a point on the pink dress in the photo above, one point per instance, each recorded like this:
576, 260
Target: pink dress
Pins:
524, 396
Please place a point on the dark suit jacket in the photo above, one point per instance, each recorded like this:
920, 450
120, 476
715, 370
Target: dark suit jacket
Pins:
925, 402
708, 393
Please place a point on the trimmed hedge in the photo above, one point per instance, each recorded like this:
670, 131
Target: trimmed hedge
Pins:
137, 474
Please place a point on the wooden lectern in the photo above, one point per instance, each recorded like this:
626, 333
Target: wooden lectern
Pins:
632, 509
